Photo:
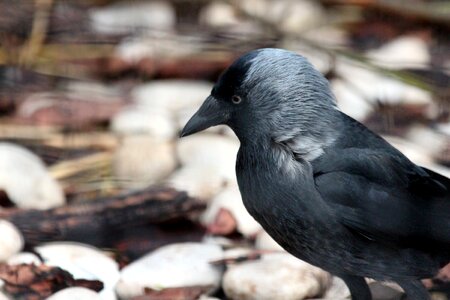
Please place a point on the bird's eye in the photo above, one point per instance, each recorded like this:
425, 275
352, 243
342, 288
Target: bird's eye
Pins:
236, 99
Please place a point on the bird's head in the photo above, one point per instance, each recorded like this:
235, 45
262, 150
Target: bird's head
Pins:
266, 92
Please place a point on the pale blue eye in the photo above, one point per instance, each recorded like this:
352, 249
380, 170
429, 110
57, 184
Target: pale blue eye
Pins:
236, 99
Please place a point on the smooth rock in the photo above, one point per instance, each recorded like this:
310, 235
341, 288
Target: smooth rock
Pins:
83, 262
25, 179
156, 123
412, 151
290, 16
210, 150
218, 14
350, 101
125, 16
75, 293
230, 199
382, 88
141, 161
204, 297
337, 290
264, 241
321, 60
424, 136
403, 52
155, 45
23, 258
176, 265
202, 182
173, 95
275, 276
3, 296
11, 240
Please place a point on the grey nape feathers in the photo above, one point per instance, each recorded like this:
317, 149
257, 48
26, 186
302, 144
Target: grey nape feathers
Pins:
327, 189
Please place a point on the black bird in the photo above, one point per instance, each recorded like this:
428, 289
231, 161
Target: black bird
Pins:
326, 188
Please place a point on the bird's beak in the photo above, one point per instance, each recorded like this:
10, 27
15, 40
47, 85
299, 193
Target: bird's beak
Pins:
209, 114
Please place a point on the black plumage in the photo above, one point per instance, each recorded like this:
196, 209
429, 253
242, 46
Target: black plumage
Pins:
326, 188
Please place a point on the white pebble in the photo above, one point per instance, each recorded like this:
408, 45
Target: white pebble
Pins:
25, 179
218, 14
202, 182
141, 160
156, 123
265, 242
11, 240
377, 87
350, 101
403, 52
83, 262
230, 199
290, 16
210, 150
275, 276
24, 258
3, 296
173, 95
75, 293
125, 16
176, 265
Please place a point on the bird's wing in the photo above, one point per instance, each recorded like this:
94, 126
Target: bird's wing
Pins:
383, 196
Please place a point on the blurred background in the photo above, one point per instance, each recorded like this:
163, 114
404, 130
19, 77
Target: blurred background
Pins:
93, 177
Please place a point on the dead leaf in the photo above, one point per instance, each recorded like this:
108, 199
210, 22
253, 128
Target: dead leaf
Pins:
32, 282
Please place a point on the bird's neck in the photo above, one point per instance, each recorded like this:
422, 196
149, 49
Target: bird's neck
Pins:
270, 177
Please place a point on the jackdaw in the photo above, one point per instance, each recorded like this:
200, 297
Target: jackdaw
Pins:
326, 188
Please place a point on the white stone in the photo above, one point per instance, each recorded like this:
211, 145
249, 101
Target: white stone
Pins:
289, 16
210, 150
321, 60
203, 182
157, 123
275, 276
350, 101
265, 242
25, 179
173, 95
424, 136
141, 161
218, 240
337, 290
125, 16
403, 52
75, 293
176, 265
83, 262
230, 199
236, 252
3, 296
218, 14
414, 152
444, 129
23, 258
156, 44
204, 297
444, 171
421, 156
377, 87
11, 240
